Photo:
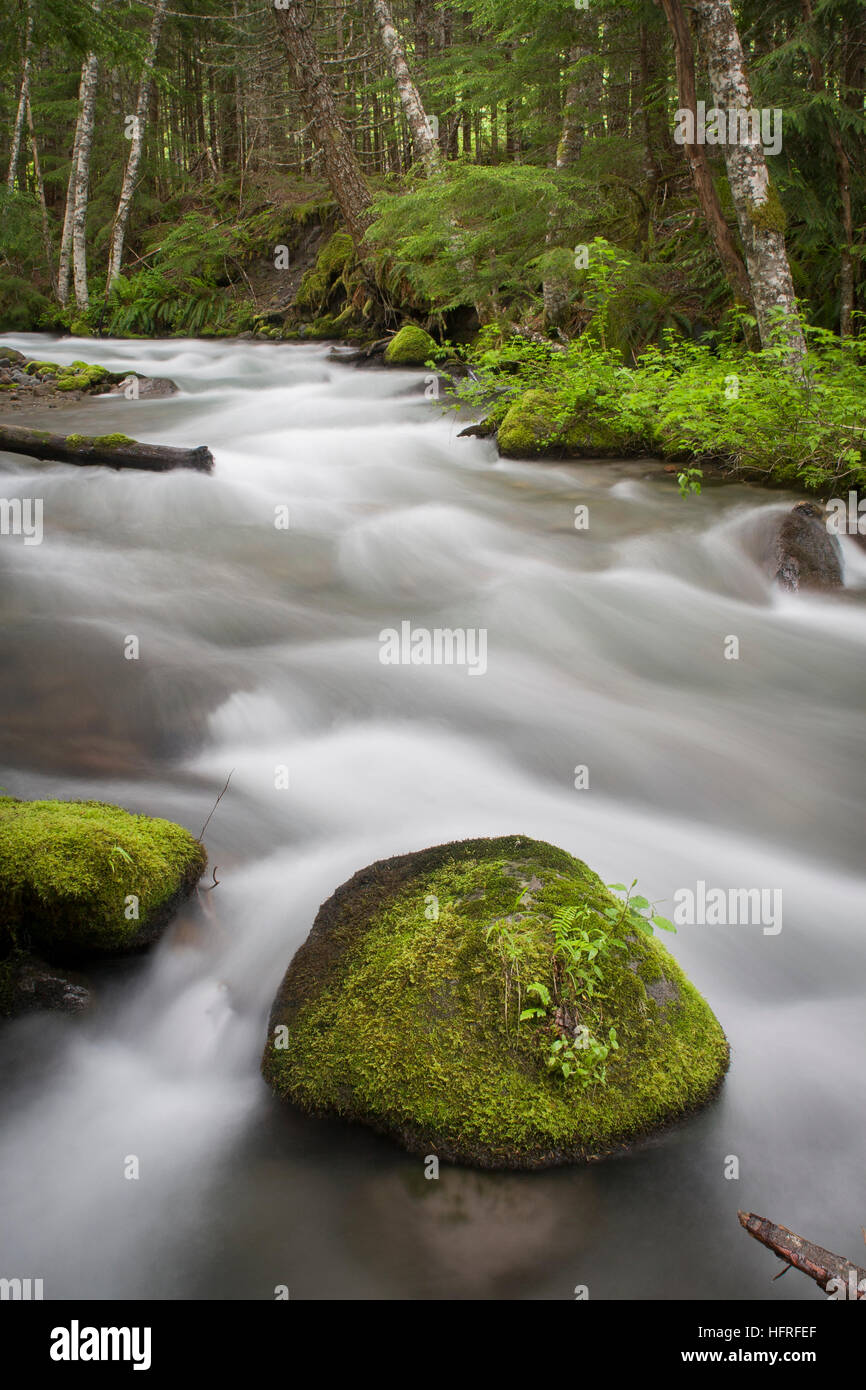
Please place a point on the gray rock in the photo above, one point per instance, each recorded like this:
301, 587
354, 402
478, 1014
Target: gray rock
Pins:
149, 387
807, 556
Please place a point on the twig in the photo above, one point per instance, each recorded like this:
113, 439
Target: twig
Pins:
209, 887
820, 1264
216, 803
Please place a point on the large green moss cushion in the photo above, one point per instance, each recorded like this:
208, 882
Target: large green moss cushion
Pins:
395, 1012
410, 347
80, 878
539, 425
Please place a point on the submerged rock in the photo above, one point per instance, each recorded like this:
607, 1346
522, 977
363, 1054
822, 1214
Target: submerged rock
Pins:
80, 879
145, 387
410, 347
28, 984
406, 1010
807, 556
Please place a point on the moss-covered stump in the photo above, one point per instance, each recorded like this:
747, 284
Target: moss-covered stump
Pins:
80, 879
409, 347
445, 998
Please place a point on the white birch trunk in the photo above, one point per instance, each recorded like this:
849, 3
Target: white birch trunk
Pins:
136, 148
423, 141
759, 214
64, 266
81, 175
23, 100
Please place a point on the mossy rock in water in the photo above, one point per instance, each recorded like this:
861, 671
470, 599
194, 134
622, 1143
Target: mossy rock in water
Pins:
401, 1011
81, 376
410, 347
530, 427
69, 871
538, 425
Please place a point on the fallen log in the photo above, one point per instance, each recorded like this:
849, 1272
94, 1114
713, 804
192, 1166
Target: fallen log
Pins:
112, 450
833, 1273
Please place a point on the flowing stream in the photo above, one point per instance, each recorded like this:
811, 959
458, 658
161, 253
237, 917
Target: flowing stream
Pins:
259, 651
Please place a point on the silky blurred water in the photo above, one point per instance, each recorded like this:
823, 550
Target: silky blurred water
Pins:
259, 650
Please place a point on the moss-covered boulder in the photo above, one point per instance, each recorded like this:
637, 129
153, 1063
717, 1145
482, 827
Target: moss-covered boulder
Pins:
491, 1002
409, 347
80, 879
530, 427
82, 376
539, 425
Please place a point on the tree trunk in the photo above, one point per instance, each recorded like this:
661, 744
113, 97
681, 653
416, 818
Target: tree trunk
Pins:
40, 192
65, 263
320, 110
77, 196
556, 293
647, 108
843, 181
136, 148
702, 178
128, 453
759, 213
423, 140
23, 101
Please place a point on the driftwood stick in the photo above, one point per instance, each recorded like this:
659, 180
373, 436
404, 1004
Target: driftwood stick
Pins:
114, 451
820, 1264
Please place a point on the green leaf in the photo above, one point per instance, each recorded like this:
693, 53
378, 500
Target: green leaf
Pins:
665, 923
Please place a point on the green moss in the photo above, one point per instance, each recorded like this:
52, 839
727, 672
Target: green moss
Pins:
73, 440
68, 868
324, 327
43, 368
331, 265
410, 347
530, 427
769, 216
540, 424
109, 441
398, 1020
80, 376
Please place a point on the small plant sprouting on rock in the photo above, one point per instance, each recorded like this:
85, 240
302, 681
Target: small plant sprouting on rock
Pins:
583, 1057
117, 850
556, 966
639, 912
568, 951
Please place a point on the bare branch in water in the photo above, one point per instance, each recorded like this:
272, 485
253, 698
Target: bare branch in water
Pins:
216, 803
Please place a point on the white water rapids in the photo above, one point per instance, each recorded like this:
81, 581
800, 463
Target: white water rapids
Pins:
259, 649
